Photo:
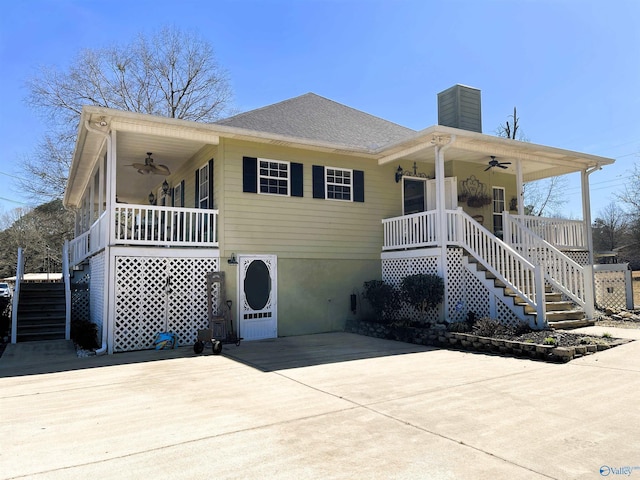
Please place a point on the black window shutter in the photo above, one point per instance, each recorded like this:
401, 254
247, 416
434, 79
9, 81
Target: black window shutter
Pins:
173, 200
196, 202
250, 174
318, 181
211, 183
296, 180
182, 193
358, 186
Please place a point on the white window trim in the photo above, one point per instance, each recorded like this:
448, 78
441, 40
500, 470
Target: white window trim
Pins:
259, 177
202, 198
177, 195
326, 184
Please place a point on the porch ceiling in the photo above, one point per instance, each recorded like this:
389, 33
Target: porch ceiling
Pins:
132, 147
537, 161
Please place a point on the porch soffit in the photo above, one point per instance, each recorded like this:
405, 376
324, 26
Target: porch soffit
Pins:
537, 161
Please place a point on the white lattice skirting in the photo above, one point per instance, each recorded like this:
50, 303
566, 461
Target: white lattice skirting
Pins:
464, 293
160, 294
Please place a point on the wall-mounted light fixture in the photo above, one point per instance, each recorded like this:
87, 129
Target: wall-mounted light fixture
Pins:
400, 172
232, 259
165, 188
152, 198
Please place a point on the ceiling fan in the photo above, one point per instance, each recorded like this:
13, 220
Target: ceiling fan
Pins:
495, 163
149, 167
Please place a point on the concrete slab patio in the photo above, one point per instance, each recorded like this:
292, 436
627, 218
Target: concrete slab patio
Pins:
322, 406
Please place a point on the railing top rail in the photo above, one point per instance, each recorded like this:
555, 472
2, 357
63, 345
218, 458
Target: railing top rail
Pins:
542, 242
411, 215
493, 238
163, 208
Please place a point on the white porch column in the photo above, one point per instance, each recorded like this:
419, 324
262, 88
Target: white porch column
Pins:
441, 215
519, 187
586, 211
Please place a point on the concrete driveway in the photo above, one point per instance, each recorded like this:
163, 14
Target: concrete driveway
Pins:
336, 406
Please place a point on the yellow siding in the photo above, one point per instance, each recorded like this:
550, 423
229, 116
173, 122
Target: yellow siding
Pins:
303, 227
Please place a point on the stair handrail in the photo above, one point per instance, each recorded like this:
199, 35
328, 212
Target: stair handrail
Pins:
16, 296
503, 261
561, 272
67, 290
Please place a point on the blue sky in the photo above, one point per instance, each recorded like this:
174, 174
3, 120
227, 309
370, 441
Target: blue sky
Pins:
572, 67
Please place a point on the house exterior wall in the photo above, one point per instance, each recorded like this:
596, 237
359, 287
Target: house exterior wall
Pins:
491, 178
326, 249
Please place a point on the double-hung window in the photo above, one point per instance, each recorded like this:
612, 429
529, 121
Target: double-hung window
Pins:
273, 177
338, 182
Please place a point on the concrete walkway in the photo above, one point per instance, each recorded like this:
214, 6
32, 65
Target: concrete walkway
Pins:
323, 406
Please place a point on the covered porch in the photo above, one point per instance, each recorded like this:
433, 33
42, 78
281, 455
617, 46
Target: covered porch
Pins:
527, 256
128, 188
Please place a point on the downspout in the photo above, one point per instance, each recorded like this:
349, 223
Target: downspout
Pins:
586, 217
441, 211
105, 320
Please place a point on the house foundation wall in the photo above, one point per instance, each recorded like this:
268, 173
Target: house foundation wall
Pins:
314, 295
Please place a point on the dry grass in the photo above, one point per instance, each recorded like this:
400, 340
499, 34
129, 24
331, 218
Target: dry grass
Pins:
636, 287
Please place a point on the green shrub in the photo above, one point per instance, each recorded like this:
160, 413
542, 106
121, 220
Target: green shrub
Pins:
423, 291
383, 298
84, 334
549, 341
459, 327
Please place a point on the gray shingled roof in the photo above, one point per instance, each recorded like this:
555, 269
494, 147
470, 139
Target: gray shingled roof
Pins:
313, 117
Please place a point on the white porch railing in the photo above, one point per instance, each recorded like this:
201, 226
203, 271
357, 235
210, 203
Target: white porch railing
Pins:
16, 296
147, 226
563, 273
165, 226
564, 234
79, 249
410, 231
508, 266
67, 290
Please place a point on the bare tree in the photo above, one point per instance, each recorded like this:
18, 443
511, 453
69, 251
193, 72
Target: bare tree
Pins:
41, 232
542, 196
610, 228
173, 74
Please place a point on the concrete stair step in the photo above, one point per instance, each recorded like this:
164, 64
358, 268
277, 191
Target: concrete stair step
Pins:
570, 324
562, 315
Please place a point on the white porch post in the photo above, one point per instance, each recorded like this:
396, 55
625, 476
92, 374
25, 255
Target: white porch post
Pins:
519, 186
589, 280
586, 211
441, 215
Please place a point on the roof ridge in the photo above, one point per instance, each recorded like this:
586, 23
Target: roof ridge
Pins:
264, 107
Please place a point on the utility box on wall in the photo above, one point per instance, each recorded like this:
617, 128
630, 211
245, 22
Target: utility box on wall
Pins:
460, 107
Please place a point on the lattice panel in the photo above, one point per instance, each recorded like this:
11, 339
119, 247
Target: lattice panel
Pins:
394, 270
504, 314
610, 289
80, 294
456, 300
96, 290
188, 299
476, 296
156, 294
580, 257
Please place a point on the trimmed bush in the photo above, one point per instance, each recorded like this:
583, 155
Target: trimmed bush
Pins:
383, 298
422, 291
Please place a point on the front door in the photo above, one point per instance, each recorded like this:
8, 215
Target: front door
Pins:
414, 195
258, 297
